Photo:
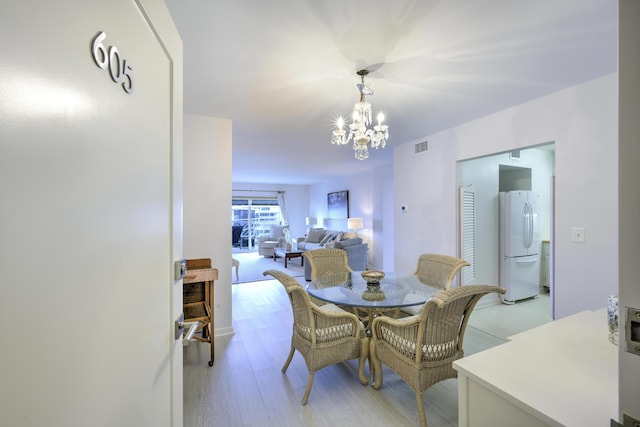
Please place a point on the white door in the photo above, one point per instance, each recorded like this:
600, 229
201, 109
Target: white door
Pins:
86, 219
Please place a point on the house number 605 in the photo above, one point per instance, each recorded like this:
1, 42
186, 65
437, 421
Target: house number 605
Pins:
118, 68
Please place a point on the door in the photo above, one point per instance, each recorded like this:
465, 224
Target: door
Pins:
86, 224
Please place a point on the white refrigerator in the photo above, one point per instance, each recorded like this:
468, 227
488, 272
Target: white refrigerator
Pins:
519, 245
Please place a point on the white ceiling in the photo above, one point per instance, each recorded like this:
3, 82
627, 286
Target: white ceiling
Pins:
283, 70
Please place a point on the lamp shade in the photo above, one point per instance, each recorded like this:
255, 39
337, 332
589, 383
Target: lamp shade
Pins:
354, 223
311, 220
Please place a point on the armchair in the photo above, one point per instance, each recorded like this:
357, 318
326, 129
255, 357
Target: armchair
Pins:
421, 349
275, 239
437, 271
322, 335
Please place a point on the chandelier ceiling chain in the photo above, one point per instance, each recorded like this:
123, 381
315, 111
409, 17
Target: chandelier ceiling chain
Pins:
359, 129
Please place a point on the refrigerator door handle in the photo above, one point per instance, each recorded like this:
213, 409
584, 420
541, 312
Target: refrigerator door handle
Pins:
528, 224
527, 260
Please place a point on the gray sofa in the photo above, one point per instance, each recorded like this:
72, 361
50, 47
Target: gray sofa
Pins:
319, 238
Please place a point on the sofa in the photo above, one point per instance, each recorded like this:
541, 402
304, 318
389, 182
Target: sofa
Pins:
318, 238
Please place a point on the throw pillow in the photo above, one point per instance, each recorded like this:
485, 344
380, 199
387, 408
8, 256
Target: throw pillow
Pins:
350, 235
348, 242
327, 238
315, 236
339, 236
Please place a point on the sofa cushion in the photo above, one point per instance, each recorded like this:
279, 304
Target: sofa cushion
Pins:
316, 235
349, 242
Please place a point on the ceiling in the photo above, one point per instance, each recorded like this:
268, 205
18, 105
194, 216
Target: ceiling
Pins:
284, 70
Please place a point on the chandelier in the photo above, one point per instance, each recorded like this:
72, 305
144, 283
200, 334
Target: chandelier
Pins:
359, 129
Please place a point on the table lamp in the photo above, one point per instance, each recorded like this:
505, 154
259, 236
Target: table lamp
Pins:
354, 224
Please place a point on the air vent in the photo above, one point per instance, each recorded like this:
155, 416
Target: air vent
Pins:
421, 146
514, 155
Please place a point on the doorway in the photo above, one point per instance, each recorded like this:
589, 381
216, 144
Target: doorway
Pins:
531, 167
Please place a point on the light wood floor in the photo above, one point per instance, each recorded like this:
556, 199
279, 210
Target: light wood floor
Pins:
245, 387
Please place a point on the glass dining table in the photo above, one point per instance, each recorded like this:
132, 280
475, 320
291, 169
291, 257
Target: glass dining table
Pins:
352, 290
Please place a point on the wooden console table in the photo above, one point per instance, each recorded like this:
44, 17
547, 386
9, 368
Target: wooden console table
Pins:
198, 299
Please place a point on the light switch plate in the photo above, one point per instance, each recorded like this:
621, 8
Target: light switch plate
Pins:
577, 234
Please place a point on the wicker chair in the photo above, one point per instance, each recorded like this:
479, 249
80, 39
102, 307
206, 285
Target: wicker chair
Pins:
436, 271
327, 261
422, 348
322, 335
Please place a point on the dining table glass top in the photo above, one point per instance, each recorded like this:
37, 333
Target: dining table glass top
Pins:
351, 289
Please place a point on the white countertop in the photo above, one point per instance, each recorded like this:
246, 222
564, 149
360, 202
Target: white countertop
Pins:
563, 372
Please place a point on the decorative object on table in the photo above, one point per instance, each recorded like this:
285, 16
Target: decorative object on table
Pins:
347, 339
372, 277
355, 224
359, 130
612, 318
373, 293
338, 204
421, 349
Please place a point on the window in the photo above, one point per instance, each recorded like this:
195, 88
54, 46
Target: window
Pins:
252, 218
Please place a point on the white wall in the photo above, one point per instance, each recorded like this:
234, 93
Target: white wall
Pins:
629, 175
370, 194
582, 121
207, 204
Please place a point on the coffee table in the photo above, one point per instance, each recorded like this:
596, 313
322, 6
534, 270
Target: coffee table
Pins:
287, 255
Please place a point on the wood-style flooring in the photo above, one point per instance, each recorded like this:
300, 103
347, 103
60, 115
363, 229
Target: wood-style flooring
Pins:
246, 387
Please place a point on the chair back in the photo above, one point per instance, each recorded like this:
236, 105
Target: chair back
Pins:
437, 270
303, 319
327, 261
444, 319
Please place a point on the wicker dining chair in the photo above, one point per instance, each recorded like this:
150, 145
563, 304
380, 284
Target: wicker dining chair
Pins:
323, 335
421, 349
436, 271
327, 261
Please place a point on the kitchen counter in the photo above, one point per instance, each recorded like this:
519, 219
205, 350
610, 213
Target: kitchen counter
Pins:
563, 373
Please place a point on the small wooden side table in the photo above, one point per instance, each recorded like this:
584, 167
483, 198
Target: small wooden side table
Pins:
198, 299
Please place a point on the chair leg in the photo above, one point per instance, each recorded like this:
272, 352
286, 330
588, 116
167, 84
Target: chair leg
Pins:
376, 381
286, 364
423, 416
364, 354
305, 398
